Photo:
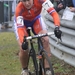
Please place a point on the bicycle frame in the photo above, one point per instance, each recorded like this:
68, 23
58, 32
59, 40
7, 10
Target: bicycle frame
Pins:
32, 52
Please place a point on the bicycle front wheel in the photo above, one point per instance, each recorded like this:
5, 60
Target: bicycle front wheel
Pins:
43, 70
33, 65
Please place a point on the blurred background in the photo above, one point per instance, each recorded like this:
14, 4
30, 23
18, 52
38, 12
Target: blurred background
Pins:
7, 11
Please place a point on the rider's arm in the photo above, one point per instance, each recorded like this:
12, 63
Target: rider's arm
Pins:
47, 5
20, 28
20, 25
55, 16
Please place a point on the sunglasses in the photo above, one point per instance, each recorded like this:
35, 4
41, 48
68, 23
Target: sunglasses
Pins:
25, 0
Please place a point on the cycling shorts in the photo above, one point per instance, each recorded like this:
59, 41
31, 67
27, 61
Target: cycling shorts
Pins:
37, 25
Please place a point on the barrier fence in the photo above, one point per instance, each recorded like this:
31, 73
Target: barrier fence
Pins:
65, 50
6, 13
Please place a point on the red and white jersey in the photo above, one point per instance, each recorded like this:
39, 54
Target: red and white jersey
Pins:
29, 16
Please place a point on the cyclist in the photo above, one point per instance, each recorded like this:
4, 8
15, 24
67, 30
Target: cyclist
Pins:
27, 14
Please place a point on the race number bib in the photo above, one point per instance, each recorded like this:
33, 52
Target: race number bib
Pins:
20, 21
47, 4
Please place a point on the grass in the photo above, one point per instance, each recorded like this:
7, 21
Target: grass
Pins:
9, 60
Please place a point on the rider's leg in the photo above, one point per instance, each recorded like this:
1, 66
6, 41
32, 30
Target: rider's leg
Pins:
23, 55
39, 28
46, 45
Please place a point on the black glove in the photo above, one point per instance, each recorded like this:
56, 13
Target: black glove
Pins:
25, 44
57, 32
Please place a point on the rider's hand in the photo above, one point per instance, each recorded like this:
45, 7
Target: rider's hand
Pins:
25, 45
57, 32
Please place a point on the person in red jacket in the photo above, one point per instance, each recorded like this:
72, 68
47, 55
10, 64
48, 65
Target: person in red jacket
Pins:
27, 14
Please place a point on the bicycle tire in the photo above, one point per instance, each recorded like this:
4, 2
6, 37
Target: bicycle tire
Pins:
45, 56
33, 65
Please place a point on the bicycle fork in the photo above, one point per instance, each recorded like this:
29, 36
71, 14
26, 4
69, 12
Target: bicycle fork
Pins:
33, 55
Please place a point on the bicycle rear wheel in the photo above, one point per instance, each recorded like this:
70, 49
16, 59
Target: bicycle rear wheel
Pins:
42, 67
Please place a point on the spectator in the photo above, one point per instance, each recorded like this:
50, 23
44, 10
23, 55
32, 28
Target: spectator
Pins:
52, 1
60, 4
73, 2
73, 8
69, 3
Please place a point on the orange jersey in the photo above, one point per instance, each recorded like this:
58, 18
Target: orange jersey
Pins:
30, 16
35, 11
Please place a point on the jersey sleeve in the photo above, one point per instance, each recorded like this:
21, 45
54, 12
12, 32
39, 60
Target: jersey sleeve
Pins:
20, 25
55, 16
49, 7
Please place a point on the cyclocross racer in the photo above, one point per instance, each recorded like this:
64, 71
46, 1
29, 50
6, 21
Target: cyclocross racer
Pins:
27, 14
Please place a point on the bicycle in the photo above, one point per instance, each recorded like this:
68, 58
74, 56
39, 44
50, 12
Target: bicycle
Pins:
38, 58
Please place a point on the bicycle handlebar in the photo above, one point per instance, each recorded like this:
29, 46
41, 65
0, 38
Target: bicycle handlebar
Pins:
42, 35
39, 35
